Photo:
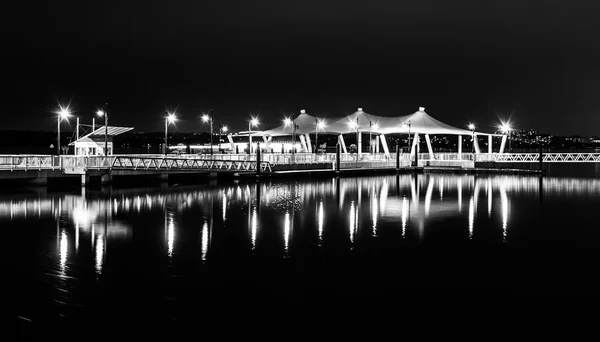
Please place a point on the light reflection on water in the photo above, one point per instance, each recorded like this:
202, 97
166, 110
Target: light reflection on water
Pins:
286, 218
378, 205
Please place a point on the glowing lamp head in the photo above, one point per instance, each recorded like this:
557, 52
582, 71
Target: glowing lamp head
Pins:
505, 127
471, 126
375, 126
205, 117
287, 122
100, 112
63, 112
320, 124
225, 129
171, 118
353, 124
254, 122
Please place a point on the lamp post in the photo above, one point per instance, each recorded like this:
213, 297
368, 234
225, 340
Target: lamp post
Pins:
290, 122
320, 124
505, 128
169, 119
63, 113
472, 128
104, 113
221, 130
251, 122
209, 118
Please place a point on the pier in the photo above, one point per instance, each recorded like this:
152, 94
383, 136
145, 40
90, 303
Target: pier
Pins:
37, 169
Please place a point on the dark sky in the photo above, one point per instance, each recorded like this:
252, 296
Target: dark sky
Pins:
462, 60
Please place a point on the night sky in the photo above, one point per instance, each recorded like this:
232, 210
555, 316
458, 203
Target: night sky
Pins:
462, 60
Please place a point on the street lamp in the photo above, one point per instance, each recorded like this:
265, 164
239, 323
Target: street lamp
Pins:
63, 113
105, 114
251, 122
221, 130
209, 118
506, 128
472, 128
290, 122
407, 123
319, 124
170, 118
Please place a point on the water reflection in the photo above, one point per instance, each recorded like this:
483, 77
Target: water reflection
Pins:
205, 239
286, 232
99, 253
353, 224
170, 233
471, 216
504, 201
321, 218
374, 213
64, 250
254, 226
89, 227
404, 216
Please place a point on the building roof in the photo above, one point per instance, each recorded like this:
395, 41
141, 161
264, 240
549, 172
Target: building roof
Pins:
112, 131
100, 132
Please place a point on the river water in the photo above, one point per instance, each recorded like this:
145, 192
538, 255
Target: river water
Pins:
502, 251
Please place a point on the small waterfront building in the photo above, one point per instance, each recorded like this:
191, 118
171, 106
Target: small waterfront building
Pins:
93, 144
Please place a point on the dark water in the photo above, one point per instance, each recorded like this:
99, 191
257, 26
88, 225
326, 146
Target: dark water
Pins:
510, 252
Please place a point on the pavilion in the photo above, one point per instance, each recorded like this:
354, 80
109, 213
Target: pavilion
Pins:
418, 124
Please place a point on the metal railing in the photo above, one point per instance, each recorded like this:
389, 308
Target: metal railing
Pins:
535, 157
245, 162
185, 164
29, 162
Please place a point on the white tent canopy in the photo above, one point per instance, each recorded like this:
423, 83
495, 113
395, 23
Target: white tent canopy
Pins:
305, 123
420, 122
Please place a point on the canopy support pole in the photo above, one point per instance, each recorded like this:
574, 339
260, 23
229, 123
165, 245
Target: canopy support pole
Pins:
431, 156
359, 142
303, 143
385, 146
476, 144
376, 144
414, 144
489, 144
503, 144
342, 143
460, 147
230, 139
308, 144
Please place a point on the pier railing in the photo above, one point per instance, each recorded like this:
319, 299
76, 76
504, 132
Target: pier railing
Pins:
29, 162
245, 162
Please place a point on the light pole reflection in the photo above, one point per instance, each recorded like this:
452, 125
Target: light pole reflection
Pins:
489, 193
504, 201
170, 234
353, 221
63, 251
471, 216
204, 243
459, 188
224, 207
286, 233
253, 227
321, 217
404, 217
99, 253
374, 213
